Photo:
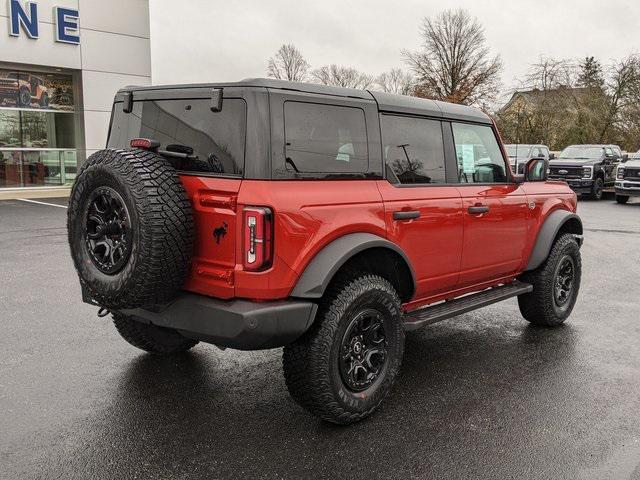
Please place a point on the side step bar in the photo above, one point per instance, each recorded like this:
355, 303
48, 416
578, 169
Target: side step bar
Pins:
441, 311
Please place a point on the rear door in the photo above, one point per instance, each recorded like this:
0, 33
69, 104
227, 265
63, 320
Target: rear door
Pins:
422, 211
495, 209
214, 146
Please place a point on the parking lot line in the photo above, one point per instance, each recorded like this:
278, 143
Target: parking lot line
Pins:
41, 203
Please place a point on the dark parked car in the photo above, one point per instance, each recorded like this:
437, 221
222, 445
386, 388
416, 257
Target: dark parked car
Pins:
588, 169
519, 154
628, 179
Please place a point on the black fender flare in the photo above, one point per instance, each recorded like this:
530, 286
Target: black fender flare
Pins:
548, 234
319, 272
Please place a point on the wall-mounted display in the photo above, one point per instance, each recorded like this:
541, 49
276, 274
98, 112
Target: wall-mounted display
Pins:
50, 91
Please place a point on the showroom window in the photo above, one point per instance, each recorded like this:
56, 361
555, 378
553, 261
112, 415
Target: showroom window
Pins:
37, 129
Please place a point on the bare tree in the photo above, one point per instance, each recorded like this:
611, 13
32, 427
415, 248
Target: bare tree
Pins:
623, 90
395, 80
340, 76
549, 74
455, 64
288, 64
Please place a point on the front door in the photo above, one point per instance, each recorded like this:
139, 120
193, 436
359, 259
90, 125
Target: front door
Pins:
423, 213
495, 209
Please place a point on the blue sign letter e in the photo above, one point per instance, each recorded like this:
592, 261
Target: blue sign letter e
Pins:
67, 30
18, 17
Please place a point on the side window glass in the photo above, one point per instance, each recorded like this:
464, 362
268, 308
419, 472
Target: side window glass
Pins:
413, 149
325, 138
478, 153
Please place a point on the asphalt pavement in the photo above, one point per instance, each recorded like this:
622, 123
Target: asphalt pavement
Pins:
483, 395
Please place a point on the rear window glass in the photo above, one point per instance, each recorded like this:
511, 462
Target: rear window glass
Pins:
413, 149
325, 138
214, 141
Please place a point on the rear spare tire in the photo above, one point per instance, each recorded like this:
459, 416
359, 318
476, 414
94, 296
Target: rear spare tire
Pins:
130, 229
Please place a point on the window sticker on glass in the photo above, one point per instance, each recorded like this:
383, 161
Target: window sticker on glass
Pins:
468, 159
345, 152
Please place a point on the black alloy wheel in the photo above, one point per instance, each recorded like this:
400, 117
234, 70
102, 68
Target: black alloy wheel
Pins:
108, 233
363, 350
563, 287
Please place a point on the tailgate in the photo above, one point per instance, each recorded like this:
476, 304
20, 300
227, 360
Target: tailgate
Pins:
207, 148
214, 203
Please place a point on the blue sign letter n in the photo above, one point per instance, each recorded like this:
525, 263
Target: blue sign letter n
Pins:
18, 16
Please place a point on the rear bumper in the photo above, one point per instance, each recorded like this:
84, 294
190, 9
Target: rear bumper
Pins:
240, 324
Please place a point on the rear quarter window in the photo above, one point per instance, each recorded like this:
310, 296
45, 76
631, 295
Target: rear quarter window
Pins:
325, 139
215, 140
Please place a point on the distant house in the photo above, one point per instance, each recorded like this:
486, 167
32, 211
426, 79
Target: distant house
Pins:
531, 99
543, 116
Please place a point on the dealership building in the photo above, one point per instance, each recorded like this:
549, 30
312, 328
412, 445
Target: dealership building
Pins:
61, 62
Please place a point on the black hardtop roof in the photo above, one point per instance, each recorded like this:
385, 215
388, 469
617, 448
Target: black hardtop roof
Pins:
386, 101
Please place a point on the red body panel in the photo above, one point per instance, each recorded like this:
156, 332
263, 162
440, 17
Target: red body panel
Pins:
494, 242
452, 252
214, 203
433, 242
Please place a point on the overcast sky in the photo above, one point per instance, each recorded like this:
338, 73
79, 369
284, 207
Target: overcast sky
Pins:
214, 40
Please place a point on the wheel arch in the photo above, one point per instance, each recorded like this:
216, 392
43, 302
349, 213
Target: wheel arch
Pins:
364, 251
557, 223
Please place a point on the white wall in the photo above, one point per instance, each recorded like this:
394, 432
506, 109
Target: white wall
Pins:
114, 51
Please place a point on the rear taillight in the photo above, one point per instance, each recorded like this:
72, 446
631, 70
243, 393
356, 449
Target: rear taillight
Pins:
145, 144
258, 232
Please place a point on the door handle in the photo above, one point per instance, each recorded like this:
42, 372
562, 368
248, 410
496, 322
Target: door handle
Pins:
406, 215
477, 210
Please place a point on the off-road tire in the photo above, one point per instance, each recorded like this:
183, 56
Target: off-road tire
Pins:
597, 190
24, 97
311, 364
622, 199
151, 338
161, 228
539, 307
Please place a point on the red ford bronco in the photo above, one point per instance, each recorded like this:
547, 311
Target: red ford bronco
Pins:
324, 220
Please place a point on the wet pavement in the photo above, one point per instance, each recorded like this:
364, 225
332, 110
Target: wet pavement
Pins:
483, 395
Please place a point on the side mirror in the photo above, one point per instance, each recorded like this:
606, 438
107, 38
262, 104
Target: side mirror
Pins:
519, 179
552, 156
625, 157
537, 170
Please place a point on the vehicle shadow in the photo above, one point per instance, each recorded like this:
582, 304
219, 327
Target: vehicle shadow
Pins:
465, 390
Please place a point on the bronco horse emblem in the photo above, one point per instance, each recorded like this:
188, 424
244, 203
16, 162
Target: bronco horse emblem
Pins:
220, 232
